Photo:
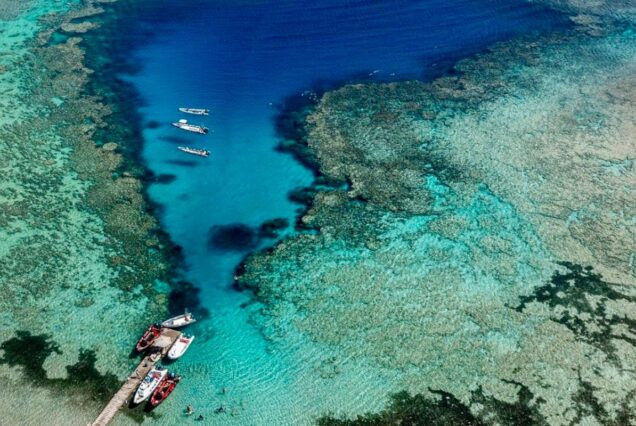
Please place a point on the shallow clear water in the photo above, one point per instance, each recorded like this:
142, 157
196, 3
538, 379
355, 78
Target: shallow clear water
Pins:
242, 60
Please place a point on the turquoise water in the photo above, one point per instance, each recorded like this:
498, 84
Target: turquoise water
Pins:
243, 61
482, 249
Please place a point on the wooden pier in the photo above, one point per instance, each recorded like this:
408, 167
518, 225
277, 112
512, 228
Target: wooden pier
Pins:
160, 346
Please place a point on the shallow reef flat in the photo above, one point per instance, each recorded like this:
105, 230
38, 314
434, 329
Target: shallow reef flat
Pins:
80, 255
484, 244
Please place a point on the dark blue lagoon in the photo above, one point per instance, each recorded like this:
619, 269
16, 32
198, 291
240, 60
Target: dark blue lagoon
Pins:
244, 60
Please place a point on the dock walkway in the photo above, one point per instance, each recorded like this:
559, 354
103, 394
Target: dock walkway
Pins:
162, 345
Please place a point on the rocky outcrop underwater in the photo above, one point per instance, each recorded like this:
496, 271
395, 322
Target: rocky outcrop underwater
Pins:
478, 253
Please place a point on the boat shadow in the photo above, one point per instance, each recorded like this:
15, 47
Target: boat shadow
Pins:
175, 139
184, 163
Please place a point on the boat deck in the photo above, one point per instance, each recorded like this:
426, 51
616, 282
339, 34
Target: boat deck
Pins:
162, 344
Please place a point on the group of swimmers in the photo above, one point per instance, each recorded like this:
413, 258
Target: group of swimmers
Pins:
190, 411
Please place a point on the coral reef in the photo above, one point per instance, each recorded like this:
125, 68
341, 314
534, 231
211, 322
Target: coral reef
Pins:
441, 264
81, 254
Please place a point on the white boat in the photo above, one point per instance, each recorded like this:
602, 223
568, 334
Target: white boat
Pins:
149, 384
194, 151
179, 321
195, 111
184, 125
180, 346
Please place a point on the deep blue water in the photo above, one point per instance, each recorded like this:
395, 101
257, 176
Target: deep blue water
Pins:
242, 59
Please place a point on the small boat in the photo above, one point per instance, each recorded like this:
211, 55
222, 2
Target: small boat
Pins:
194, 151
179, 347
195, 111
164, 389
148, 337
184, 125
149, 384
179, 321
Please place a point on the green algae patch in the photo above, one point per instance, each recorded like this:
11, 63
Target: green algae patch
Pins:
439, 266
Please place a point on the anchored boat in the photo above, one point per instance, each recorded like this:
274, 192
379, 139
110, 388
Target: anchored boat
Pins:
179, 321
195, 111
164, 389
148, 337
149, 384
184, 125
194, 151
179, 347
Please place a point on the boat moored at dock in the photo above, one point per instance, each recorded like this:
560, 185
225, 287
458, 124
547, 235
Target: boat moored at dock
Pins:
184, 125
179, 321
165, 388
180, 346
148, 337
195, 111
149, 384
194, 151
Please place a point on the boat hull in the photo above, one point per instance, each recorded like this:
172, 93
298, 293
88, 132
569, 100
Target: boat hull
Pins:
191, 128
179, 321
194, 151
195, 111
180, 347
149, 384
148, 338
163, 390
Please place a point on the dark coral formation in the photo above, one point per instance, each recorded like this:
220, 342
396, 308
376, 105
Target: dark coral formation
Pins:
232, 237
444, 409
30, 351
579, 299
185, 295
271, 228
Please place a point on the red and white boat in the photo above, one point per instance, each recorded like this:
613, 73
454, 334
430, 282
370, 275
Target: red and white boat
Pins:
148, 337
149, 384
179, 347
165, 388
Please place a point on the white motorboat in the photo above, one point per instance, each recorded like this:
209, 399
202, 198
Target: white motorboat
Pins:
194, 151
179, 321
195, 111
148, 385
180, 346
184, 125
